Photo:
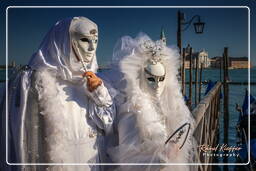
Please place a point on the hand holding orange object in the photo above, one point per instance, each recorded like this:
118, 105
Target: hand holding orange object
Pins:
92, 81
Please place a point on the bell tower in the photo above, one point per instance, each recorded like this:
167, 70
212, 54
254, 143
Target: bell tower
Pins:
162, 36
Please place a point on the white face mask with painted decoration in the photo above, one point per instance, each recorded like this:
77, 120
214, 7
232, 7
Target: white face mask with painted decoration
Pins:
84, 39
154, 75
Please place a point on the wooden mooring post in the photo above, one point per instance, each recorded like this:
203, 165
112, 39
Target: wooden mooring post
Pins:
196, 81
220, 68
183, 73
200, 81
190, 78
226, 101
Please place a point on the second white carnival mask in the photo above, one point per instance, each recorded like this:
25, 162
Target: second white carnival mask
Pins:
154, 74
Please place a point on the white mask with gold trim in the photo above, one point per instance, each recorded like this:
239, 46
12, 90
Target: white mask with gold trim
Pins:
154, 75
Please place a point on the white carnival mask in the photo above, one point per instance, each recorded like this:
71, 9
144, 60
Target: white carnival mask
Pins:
84, 38
154, 74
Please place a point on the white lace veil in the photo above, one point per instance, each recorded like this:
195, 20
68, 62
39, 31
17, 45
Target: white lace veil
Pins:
131, 58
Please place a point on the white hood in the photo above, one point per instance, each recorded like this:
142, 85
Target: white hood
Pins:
55, 52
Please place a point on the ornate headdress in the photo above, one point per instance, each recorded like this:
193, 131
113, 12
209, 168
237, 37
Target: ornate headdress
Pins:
154, 49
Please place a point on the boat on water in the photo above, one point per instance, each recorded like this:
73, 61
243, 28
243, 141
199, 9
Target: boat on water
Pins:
246, 138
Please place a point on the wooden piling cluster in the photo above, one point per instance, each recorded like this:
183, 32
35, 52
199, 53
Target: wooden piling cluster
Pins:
207, 108
207, 112
197, 93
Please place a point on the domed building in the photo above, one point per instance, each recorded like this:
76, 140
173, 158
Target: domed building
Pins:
203, 58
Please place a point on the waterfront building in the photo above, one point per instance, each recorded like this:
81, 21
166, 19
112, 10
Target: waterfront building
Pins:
203, 59
233, 62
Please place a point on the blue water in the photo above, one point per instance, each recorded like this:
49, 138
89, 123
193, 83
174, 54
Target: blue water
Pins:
3, 78
236, 95
2, 74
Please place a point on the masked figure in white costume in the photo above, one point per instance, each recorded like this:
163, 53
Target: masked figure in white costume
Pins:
151, 107
60, 110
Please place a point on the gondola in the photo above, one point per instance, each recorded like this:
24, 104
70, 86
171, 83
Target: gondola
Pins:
244, 139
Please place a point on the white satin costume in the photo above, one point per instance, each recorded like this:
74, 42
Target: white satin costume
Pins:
53, 118
145, 121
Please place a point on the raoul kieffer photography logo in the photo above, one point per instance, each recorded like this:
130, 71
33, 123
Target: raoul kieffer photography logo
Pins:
220, 150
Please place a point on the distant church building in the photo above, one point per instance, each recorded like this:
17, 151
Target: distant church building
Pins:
203, 58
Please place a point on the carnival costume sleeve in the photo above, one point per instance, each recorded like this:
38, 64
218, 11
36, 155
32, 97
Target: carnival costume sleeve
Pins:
101, 108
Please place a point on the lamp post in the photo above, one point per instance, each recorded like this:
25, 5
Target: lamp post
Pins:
199, 28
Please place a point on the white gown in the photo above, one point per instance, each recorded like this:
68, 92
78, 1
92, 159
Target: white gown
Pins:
74, 125
144, 122
52, 116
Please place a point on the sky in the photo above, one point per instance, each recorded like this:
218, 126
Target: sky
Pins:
224, 27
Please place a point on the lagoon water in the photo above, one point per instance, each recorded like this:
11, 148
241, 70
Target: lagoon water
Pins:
236, 95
